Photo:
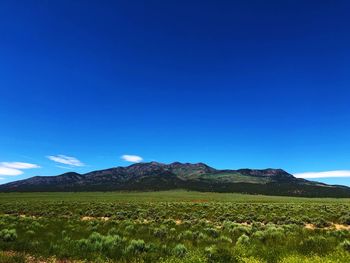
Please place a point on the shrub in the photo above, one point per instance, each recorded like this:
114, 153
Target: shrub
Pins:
136, 246
8, 235
238, 231
211, 251
202, 236
160, 232
217, 254
172, 231
274, 233
225, 239
259, 235
129, 229
180, 250
113, 231
111, 242
322, 223
243, 240
187, 234
212, 232
30, 233
315, 244
346, 245
345, 219
96, 242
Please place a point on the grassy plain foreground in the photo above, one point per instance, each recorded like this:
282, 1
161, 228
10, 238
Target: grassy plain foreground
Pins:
172, 226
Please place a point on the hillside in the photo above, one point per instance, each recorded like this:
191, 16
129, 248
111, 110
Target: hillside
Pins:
155, 176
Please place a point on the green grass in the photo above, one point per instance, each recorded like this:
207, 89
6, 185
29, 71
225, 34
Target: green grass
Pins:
237, 178
162, 196
172, 226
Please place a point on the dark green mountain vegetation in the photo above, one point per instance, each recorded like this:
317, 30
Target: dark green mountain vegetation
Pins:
172, 226
199, 177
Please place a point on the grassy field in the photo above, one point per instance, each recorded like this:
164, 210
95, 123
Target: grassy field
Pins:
172, 226
162, 196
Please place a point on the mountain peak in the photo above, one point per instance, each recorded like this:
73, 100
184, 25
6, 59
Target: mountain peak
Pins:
144, 164
191, 176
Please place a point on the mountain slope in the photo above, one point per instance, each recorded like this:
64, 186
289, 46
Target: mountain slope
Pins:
201, 177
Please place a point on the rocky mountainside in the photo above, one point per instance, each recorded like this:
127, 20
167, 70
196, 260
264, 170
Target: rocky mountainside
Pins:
155, 176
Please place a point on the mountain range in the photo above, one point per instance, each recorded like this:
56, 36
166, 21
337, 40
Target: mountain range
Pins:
154, 176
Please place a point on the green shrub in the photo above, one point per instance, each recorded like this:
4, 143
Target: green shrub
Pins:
30, 233
259, 235
346, 245
238, 230
111, 242
243, 240
136, 246
160, 232
108, 245
315, 244
113, 231
180, 250
322, 223
212, 232
211, 251
129, 229
201, 236
218, 254
8, 235
188, 234
225, 239
345, 219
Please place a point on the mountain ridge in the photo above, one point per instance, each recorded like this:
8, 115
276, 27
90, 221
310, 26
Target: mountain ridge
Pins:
154, 176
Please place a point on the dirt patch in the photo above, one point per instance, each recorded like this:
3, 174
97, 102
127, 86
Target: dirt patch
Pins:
341, 227
332, 227
178, 222
145, 221
90, 218
87, 218
310, 226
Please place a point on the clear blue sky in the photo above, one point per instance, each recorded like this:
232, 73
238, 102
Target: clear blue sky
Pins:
230, 83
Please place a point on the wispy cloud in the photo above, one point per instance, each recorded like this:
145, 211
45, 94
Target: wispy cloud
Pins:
19, 165
68, 160
327, 174
15, 168
132, 158
9, 171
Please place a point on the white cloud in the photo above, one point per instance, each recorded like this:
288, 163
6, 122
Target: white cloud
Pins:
15, 168
327, 174
132, 158
19, 165
72, 161
9, 171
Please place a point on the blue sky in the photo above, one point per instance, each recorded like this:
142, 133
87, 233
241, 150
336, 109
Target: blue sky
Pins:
230, 83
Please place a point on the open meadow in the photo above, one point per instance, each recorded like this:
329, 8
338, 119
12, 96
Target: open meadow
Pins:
172, 226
